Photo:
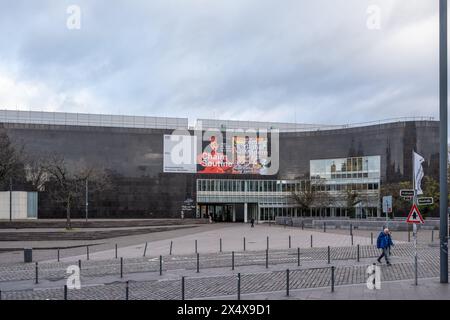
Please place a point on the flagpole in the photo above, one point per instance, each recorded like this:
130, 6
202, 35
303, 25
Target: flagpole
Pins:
414, 225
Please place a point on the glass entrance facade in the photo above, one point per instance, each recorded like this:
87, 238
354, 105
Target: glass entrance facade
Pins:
347, 187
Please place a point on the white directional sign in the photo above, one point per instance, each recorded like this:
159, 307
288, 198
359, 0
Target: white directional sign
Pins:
406, 193
425, 201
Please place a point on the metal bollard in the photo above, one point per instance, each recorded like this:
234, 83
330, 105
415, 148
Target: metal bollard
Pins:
267, 259
351, 229
126, 290
160, 265
244, 243
311, 241
58, 254
329, 255
182, 288
298, 257
198, 263
357, 253
239, 287
220, 245
87, 252
145, 249
289, 242
371, 238
324, 227
351, 236
79, 264
416, 266
36, 273
170, 251
121, 267
432, 235
232, 260
116, 250
196, 251
332, 278
287, 282
267, 243
65, 292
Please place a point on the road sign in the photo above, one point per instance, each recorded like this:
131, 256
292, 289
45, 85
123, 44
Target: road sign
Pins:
387, 204
406, 193
425, 201
415, 216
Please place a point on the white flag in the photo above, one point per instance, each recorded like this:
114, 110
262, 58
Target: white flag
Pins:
418, 172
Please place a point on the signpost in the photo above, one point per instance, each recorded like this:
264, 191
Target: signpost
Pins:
415, 218
407, 193
387, 208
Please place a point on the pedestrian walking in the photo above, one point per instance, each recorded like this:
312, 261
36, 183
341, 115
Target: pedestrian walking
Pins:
252, 221
384, 242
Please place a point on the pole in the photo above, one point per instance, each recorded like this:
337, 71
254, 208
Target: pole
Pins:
332, 278
10, 199
415, 254
298, 257
182, 288
87, 200
171, 244
198, 263
443, 146
287, 282
145, 248
220, 244
127, 289
121, 267
232, 260
160, 265
239, 287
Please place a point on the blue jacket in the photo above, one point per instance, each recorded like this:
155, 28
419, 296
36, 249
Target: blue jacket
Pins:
384, 241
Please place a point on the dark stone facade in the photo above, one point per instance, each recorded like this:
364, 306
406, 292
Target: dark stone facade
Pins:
140, 189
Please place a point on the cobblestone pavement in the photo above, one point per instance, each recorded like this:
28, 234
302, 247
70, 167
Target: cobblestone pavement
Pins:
314, 272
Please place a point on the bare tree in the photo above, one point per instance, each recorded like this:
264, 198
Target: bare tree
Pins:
67, 182
312, 195
10, 159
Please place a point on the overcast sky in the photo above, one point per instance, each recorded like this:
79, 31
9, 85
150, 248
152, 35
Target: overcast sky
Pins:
310, 61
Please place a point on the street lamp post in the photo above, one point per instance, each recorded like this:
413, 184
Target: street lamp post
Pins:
443, 149
10, 199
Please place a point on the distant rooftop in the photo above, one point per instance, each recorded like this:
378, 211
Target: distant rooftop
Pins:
123, 121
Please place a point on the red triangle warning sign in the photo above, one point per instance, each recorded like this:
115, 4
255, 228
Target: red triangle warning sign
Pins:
415, 216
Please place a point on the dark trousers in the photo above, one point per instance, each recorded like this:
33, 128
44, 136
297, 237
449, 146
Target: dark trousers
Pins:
385, 254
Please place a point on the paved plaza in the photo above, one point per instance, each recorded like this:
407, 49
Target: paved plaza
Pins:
213, 274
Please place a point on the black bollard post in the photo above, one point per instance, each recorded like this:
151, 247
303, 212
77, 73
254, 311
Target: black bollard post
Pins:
289, 242
126, 290
220, 245
329, 255
267, 242
371, 238
65, 292
160, 265
182, 288
145, 249
171, 245
239, 287
324, 227
79, 264
432, 236
58, 254
87, 252
36, 273
244, 243
298, 257
311, 241
351, 229
267, 259
196, 251
232, 260
357, 253
121, 267
198, 263
332, 279
351, 236
287, 282
116, 250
